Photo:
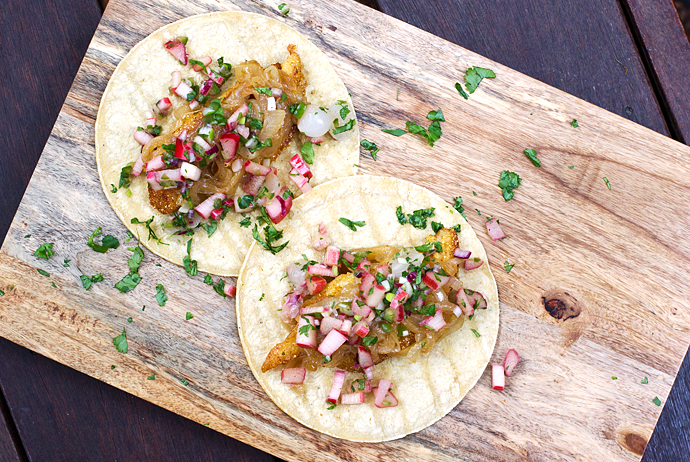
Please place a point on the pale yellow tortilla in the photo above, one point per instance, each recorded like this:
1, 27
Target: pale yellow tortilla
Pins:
426, 390
143, 77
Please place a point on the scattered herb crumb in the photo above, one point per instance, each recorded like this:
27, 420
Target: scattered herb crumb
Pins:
53, 284
45, 251
656, 401
351, 224
151, 377
457, 205
608, 185
108, 242
644, 381
120, 342
129, 319
507, 266
262, 297
508, 182
614, 378
27, 236
65, 263
478, 212
184, 382
474, 193
112, 367
161, 298
476, 334
371, 147
188, 316
208, 280
461, 92
532, 156
331, 406
44, 273
474, 76
571, 167
574, 123
396, 132
284, 9
87, 281
2, 293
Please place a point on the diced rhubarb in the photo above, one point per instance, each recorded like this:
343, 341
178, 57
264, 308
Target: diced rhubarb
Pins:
473, 264
253, 184
375, 295
332, 255
369, 373
176, 79
322, 270
368, 281
150, 121
317, 140
163, 105
435, 322
230, 289
367, 384
381, 391
511, 360
151, 178
463, 254
216, 214
206, 60
345, 327
190, 171
285, 206
156, 163
464, 303
206, 207
301, 182
229, 143
232, 120
332, 342
384, 270
142, 137
215, 77
301, 166
236, 200
352, 398
329, 323
498, 380
494, 230
256, 169
315, 284
314, 309
163, 176
138, 166
360, 329
306, 332
183, 90
475, 299
434, 280
338, 382
178, 50
293, 376
364, 357
388, 400
362, 311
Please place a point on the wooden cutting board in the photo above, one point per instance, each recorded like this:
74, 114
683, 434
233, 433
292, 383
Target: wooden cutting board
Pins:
596, 301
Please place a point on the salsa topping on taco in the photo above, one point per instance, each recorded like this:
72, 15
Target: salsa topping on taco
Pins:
358, 307
234, 122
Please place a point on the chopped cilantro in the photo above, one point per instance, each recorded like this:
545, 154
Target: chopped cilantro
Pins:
343, 128
574, 123
476, 334
396, 132
271, 234
656, 401
644, 381
210, 227
532, 156
475, 75
135, 259
508, 182
457, 228
184, 382
284, 9
53, 284
571, 167
87, 281
44, 273
458, 87
614, 378
125, 182
457, 205
297, 109
220, 288
368, 341
507, 266
419, 217
608, 185
129, 319
331, 406
120, 342
2, 293
65, 263
304, 330
189, 316
264, 90
262, 297
401, 216
436, 226
478, 211
371, 147
151, 377
436, 115
45, 251
208, 280
128, 282
27, 236
108, 242
246, 222
308, 152
147, 223
198, 63
161, 298
352, 224
190, 266
431, 135
344, 109
112, 367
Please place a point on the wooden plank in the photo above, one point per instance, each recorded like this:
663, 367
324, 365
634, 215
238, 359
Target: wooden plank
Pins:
584, 48
619, 253
667, 51
8, 451
64, 413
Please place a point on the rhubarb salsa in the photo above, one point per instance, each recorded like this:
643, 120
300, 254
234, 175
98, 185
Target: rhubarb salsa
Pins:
355, 308
229, 125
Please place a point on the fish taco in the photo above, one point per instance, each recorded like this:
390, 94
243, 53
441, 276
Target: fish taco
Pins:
208, 129
378, 316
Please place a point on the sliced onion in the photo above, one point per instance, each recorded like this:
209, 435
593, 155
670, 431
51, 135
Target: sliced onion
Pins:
315, 121
332, 342
301, 166
511, 360
322, 270
138, 166
473, 264
498, 380
236, 165
295, 274
291, 307
293, 376
277, 92
156, 163
463, 254
193, 104
168, 175
353, 398
361, 329
142, 137
457, 311
202, 142
338, 382
151, 178
369, 373
176, 79
381, 391
190, 171
494, 230
271, 104
315, 309
364, 357
163, 105
332, 255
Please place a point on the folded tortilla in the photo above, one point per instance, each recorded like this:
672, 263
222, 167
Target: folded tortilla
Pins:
426, 390
143, 77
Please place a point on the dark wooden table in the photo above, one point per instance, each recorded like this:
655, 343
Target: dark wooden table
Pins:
630, 57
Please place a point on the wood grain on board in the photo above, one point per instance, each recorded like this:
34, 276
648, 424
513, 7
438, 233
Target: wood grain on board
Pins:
608, 263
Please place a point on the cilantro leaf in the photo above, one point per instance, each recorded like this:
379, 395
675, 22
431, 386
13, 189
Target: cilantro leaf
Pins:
656, 401
368, 341
161, 298
208, 280
507, 266
151, 377
108, 242
419, 217
401, 216
297, 109
351, 224
574, 123
190, 266
120, 342
45, 251
431, 135
272, 235
246, 222
436, 226
86, 281
264, 90
147, 223
308, 152
125, 182
65, 263
343, 128
475, 75
436, 115
210, 227
128, 282
476, 334
396, 132
135, 259
458, 87
371, 147
44, 273
532, 156
220, 288
508, 182
189, 316
608, 185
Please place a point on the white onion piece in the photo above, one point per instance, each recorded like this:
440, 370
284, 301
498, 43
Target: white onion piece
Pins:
270, 103
202, 142
315, 122
236, 165
272, 183
397, 268
205, 130
498, 380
